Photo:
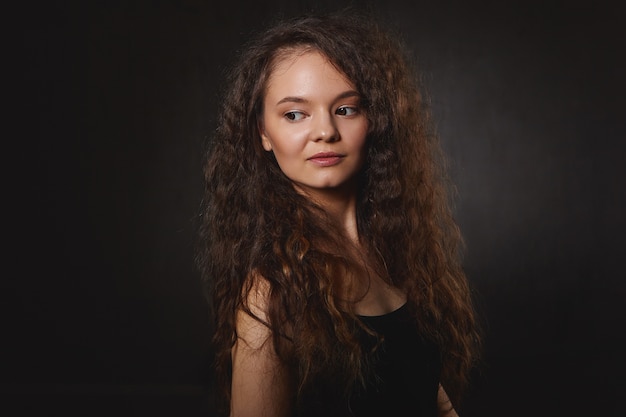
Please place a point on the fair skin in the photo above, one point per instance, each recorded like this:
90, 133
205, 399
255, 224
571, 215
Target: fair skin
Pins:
314, 126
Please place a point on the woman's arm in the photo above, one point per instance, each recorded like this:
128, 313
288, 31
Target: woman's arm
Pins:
260, 383
444, 405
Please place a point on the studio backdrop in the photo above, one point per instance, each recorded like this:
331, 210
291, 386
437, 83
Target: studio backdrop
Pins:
105, 313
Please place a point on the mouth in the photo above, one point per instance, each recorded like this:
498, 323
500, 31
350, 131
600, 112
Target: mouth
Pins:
326, 159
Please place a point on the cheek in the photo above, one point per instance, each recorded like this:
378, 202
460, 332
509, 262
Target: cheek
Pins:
285, 152
359, 136
288, 141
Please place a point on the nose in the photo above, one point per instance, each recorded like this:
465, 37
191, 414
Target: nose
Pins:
324, 128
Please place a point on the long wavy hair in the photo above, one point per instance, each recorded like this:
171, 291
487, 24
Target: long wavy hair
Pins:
255, 225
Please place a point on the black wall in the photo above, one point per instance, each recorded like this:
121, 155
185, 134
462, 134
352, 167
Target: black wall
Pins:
110, 104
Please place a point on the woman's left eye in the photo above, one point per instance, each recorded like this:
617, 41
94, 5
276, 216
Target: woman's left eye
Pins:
346, 111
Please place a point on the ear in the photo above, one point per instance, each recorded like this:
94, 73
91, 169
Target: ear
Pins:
265, 139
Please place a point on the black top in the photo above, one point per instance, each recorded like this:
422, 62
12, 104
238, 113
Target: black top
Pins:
408, 369
405, 378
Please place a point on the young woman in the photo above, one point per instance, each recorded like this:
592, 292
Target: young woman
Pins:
328, 245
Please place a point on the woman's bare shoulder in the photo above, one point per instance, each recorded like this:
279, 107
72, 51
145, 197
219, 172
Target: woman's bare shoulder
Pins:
260, 382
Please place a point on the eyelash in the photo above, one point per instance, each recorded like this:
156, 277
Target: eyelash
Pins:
292, 116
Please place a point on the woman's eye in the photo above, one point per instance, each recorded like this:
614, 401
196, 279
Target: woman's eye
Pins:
294, 116
346, 111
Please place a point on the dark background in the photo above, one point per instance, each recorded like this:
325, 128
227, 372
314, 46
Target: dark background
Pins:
111, 102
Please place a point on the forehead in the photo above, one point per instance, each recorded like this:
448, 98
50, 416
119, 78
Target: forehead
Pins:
304, 69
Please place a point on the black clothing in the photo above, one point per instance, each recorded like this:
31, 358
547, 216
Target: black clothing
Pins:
403, 381
408, 368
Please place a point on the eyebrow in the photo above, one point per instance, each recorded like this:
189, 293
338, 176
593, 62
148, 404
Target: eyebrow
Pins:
297, 99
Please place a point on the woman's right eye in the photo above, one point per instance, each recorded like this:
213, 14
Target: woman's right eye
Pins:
294, 116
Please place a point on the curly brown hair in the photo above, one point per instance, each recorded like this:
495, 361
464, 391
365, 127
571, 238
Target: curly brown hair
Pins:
255, 224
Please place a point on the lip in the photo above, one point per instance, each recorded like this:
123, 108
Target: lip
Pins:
326, 159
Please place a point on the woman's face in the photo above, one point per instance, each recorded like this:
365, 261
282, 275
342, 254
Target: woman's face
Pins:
313, 123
